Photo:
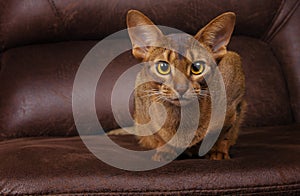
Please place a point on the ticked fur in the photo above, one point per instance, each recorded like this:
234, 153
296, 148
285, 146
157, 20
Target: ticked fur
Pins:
210, 50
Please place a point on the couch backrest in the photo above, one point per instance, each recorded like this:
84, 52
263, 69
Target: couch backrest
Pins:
29, 21
43, 42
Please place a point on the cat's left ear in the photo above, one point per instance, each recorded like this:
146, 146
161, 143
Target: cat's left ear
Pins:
142, 32
216, 34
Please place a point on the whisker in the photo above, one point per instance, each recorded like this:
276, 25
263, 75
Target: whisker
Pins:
150, 91
150, 94
158, 98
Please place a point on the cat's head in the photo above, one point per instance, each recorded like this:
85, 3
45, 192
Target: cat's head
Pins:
178, 62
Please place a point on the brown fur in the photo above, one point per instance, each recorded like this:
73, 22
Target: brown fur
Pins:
213, 39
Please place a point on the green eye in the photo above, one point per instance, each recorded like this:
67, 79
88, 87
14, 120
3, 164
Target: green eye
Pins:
198, 67
163, 67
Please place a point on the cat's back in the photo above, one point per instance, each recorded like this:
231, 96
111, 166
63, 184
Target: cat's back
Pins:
233, 75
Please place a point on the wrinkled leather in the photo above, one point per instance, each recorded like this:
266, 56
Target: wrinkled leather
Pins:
60, 20
42, 44
36, 87
265, 160
286, 46
266, 93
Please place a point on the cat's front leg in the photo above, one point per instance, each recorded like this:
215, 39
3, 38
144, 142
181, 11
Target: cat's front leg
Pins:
228, 135
226, 139
166, 153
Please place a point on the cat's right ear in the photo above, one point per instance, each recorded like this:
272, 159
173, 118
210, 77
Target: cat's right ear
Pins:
216, 34
142, 32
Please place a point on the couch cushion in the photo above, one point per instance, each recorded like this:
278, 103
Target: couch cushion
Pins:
265, 160
267, 95
36, 87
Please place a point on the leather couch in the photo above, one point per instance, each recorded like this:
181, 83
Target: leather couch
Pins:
42, 44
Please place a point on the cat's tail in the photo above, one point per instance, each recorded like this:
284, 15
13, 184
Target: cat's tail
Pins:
125, 131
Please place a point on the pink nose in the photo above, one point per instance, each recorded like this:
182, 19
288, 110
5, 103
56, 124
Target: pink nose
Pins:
181, 89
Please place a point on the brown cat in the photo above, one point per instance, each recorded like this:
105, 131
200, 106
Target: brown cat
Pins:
164, 66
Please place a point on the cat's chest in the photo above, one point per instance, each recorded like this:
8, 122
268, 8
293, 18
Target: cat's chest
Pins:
188, 116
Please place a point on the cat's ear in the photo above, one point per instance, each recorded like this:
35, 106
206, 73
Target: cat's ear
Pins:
216, 34
142, 32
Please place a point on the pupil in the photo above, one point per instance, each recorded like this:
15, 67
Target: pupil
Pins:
196, 67
164, 66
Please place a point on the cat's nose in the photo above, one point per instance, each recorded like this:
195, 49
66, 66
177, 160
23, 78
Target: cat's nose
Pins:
181, 89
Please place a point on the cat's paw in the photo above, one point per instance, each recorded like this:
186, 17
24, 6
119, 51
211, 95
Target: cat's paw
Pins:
164, 156
218, 156
220, 151
118, 132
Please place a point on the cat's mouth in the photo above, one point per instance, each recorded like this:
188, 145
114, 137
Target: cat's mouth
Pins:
180, 101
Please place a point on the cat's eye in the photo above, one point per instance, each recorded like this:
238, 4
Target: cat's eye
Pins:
163, 67
198, 67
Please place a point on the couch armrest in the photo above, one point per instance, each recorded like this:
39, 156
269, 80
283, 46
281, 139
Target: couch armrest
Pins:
285, 43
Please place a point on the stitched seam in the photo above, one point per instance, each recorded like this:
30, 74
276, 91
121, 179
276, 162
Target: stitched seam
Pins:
284, 21
288, 187
0, 62
2, 42
181, 192
56, 11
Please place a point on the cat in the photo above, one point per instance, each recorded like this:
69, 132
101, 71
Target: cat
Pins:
213, 39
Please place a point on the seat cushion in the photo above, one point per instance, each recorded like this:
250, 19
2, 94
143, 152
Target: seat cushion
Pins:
265, 160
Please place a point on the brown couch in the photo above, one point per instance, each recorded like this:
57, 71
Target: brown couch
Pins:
42, 44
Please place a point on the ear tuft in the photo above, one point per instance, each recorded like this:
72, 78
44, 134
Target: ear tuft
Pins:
216, 34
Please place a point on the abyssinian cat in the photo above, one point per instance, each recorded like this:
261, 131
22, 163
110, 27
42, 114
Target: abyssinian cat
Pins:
197, 62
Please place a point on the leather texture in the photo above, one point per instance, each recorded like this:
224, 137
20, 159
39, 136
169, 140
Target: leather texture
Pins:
288, 55
265, 160
43, 42
63, 20
36, 87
